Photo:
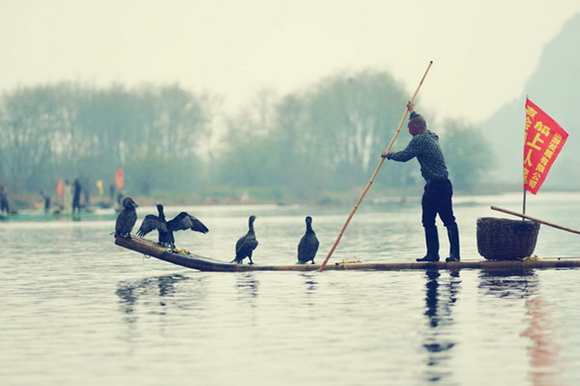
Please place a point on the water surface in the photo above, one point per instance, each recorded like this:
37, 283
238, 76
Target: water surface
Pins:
76, 309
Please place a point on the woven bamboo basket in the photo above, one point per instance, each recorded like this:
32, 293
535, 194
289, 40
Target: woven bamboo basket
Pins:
504, 239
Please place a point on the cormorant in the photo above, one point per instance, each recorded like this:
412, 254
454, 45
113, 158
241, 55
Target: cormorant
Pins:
126, 219
246, 244
308, 245
165, 228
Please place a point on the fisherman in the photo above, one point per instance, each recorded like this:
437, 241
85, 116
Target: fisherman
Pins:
76, 201
67, 197
438, 190
46, 199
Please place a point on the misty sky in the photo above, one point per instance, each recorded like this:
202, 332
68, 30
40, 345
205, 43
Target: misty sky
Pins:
484, 51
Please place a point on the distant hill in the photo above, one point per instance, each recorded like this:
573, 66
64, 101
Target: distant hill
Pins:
555, 88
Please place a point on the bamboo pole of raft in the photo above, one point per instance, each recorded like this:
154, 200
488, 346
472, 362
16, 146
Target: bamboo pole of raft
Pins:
535, 219
368, 186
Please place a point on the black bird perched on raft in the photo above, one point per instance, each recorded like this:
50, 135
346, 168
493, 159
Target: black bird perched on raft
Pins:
246, 244
182, 221
126, 219
308, 245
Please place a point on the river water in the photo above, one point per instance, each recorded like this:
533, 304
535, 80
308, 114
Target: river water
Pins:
77, 309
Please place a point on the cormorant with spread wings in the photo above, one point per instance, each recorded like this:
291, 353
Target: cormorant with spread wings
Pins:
182, 221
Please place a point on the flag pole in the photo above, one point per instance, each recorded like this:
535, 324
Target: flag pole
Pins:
524, 177
524, 206
368, 186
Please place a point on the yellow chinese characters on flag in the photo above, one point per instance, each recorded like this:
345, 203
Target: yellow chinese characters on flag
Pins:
544, 140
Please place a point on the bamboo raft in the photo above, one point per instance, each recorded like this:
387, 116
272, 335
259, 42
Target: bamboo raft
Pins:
190, 260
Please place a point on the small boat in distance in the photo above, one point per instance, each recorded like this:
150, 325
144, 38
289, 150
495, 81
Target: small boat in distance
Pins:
42, 217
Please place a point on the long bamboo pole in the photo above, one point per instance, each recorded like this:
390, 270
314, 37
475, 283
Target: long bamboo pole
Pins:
368, 186
535, 219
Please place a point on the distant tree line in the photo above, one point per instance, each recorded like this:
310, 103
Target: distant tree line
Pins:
328, 137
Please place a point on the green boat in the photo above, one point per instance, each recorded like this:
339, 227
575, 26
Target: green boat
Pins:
83, 216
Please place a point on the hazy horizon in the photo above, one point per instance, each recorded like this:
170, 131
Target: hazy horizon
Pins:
483, 51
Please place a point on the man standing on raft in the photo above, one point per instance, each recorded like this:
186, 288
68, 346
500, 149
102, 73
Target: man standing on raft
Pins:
438, 189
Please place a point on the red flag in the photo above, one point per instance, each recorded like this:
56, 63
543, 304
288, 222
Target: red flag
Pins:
119, 179
544, 140
60, 187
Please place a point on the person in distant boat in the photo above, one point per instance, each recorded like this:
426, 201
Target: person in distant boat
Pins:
76, 201
308, 245
126, 219
182, 221
67, 198
4, 206
112, 194
46, 199
246, 244
86, 192
438, 189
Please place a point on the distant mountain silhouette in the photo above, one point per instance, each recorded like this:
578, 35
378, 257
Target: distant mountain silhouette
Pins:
555, 88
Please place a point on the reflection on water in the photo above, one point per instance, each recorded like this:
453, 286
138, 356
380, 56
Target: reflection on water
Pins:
440, 297
543, 349
247, 285
310, 282
159, 286
509, 284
